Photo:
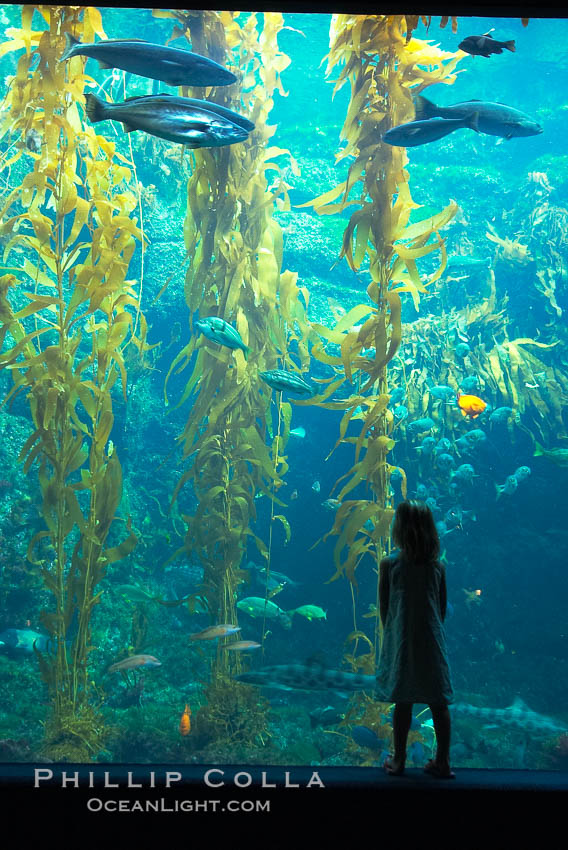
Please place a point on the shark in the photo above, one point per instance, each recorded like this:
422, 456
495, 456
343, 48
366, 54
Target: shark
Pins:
518, 715
307, 677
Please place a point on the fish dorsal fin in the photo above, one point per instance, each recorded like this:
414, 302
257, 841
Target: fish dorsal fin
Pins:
125, 41
518, 702
148, 96
488, 34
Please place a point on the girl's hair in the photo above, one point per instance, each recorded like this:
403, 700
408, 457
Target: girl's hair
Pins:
414, 531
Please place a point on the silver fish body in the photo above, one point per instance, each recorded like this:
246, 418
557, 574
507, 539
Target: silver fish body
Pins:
493, 119
175, 119
284, 381
155, 61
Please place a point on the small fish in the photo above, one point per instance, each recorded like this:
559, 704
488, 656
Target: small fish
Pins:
465, 473
298, 432
508, 488
522, 473
418, 425
485, 45
133, 662
471, 405
493, 119
557, 456
284, 381
33, 141
445, 461
326, 716
185, 721
176, 119
416, 133
444, 393
472, 597
465, 262
500, 415
462, 349
427, 446
169, 64
443, 445
212, 632
400, 412
254, 606
242, 645
331, 504
476, 435
365, 737
310, 612
398, 395
470, 384
316, 486
220, 331
293, 495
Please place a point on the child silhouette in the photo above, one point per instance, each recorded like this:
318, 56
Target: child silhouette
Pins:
413, 664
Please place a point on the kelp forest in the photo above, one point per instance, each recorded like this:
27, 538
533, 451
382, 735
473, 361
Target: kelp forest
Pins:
154, 487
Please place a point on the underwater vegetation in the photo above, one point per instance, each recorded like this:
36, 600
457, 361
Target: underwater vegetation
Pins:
158, 436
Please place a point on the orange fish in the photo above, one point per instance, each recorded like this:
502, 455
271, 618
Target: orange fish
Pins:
185, 722
471, 405
212, 632
134, 661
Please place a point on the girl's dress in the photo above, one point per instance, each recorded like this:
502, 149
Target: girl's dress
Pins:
413, 665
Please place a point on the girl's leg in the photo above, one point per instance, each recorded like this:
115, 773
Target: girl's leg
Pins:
442, 727
402, 719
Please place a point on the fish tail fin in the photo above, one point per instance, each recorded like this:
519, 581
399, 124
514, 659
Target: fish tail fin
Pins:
95, 108
538, 451
498, 490
472, 122
510, 45
424, 108
70, 43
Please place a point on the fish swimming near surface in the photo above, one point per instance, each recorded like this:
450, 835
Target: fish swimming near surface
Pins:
284, 381
220, 331
169, 64
212, 632
134, 662
308, 677
471, 405
557, 456
423, 132
517, 715
24, 641
493, 119
485, 45
185, 721
176, 119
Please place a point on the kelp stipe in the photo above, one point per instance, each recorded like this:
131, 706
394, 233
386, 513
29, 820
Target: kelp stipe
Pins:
70, 219
384, 65
235, 273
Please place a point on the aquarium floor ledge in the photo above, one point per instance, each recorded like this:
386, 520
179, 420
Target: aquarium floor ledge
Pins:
154, 776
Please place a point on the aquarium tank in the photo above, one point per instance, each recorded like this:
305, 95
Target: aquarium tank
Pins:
263, 277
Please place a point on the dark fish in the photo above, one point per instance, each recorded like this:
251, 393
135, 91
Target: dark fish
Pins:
366, 737
307, 677
169, 64
485, 45
422, 132
494, 119
176, 119
284, 381
326, 716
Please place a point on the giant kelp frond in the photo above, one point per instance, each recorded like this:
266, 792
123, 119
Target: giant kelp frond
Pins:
67, 313
235, 272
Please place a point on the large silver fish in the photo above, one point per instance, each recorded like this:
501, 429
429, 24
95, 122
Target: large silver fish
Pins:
307, 677
494, 119
176, 119
168, 64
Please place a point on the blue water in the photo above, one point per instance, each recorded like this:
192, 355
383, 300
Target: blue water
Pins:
506, 630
